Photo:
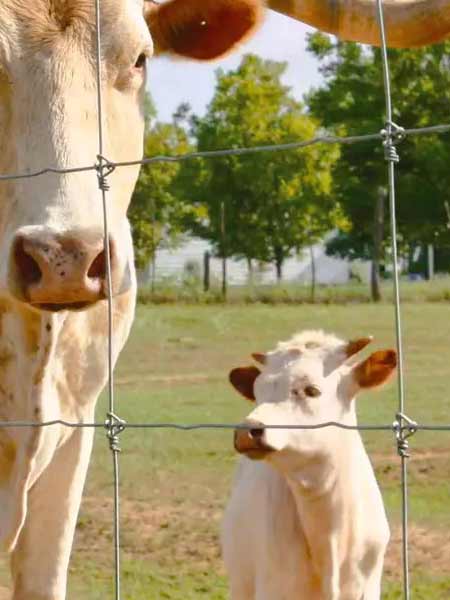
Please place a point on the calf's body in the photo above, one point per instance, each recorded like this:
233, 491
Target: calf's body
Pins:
306, 521
318, 536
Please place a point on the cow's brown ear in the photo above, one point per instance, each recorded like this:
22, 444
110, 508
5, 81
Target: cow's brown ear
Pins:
376, 369
243, 379
201, 29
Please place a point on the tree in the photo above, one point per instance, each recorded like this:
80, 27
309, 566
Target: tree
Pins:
351, 101
274, 202
156, 210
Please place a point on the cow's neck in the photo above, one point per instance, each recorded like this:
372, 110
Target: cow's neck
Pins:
325, 503
26, 344
40, 362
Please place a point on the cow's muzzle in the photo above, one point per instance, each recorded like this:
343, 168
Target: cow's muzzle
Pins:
250, 441
62, 271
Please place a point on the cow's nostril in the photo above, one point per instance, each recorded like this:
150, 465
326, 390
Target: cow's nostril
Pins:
256, 434
97, 270
98, 267
27, 268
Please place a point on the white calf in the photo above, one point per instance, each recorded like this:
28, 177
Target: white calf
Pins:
307, 522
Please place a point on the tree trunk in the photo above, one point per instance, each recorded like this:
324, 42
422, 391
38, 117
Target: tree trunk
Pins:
224, 278
378, 229
279, 268
206, 271
153, 219
153, 279
250, 273
224, 251
430, 262
313, 274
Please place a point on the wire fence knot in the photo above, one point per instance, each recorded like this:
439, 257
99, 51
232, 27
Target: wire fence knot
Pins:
404, 428
392, 134
114, 426
104, 168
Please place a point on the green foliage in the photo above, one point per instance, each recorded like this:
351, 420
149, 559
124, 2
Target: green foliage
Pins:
274, 202
351, 101
156, 213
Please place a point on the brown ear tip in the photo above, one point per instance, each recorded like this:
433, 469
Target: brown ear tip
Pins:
259, 357
391, 357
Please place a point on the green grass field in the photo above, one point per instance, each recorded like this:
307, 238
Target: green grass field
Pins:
174, 484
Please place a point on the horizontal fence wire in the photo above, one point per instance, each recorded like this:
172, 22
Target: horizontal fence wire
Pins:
322, 139
195, 426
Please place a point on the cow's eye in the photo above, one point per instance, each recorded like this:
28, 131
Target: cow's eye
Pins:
312, 391
140, 63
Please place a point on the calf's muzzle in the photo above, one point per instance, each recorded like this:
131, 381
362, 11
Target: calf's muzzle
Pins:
54, 271
250, 441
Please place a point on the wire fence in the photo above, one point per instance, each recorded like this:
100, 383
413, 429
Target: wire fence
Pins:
402, 427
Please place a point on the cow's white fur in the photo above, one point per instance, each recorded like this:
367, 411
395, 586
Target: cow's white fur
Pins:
53, 366
308, 522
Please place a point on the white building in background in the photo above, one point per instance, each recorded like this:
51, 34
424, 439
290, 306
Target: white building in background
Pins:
176, 264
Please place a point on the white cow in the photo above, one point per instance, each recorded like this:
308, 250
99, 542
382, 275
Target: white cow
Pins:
53, 318
306, 519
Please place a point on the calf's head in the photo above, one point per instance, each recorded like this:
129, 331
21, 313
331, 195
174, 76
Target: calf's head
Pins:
307, 380
51, 227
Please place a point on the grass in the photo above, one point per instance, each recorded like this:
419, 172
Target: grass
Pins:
174, 484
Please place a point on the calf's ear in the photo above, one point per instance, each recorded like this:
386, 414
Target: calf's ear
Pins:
376, 369
355, 346
260, 357
243, 379
201, 29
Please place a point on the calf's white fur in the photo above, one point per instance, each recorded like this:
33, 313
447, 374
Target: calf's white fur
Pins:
306, 519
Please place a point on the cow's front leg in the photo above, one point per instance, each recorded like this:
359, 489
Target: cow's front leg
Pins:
372, 588
41, 557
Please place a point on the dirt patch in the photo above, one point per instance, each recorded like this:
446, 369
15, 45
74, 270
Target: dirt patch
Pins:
417, 455
423, 466
429, 549
188, 535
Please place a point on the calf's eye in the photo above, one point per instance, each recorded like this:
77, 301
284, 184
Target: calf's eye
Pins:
312, 391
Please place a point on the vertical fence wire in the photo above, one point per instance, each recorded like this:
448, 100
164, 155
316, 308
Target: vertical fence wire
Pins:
390, 134
112, 423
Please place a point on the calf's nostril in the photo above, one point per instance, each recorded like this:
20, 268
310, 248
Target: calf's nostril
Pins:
28, 269
256, 434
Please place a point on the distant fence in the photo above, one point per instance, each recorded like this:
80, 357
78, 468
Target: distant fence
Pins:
402, 426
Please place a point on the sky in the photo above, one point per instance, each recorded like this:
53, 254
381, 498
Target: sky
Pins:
280, 38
